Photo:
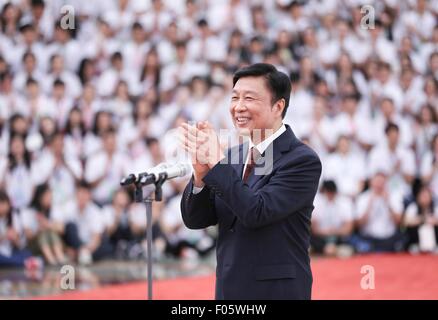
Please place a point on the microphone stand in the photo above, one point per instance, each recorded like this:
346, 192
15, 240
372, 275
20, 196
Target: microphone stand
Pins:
148, 199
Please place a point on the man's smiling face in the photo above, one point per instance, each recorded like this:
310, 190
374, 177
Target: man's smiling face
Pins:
251, 106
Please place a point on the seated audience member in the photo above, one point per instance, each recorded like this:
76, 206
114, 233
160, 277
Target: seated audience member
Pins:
85, 227
124, 230
42, 226
421, 221
104, 169
346, 167
398, 162
378, 217
429, 167
332, 221
181, 241
12, 251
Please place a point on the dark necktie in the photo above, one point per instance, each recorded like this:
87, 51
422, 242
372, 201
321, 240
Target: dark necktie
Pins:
254, 155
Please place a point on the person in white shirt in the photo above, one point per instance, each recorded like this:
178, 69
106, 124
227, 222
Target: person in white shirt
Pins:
346, 167
59, 169
42, 225
378, 216
62, 103
429, 167
35, 104
332, 220
105, 169
13, 253
72, 84
84, 232
387, 113
397, 160
421, 221
123, 227
29, 71
20, 169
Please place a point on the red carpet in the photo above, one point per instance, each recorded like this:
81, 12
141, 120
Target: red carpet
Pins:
396, 277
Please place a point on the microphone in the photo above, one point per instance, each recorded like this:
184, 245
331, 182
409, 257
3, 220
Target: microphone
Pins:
169, 171
134, 178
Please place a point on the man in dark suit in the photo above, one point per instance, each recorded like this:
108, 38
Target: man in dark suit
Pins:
262, 203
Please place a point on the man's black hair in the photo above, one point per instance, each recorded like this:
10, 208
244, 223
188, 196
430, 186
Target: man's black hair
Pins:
277, 82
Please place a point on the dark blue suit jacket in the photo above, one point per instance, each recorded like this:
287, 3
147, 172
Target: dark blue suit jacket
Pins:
264, 224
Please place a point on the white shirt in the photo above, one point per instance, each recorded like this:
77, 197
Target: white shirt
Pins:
380, 224
347, 170
89, 222
332, 214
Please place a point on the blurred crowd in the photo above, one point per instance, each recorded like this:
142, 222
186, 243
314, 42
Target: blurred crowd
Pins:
82, 106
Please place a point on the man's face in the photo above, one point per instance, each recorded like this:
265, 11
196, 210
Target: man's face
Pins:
378, 183
251, 106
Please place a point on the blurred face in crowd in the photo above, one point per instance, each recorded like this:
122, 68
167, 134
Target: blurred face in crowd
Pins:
29, 63
10, 12
343, 145
19, 125
33, 90
48, 126
75, 118
387, 108
283, 39
426, 115
57, 64
109, 142
29, 35
104, 121
155, 151
406, 78
37, 11
58, 145
330, 195
424, 197
17, 147
434, 62
393, 137
138, 35
5, 207
121, 199
349, 105
384, 73
46, 199
58, 91
83, 197
252, 107
378, 183
430, 87
89, 92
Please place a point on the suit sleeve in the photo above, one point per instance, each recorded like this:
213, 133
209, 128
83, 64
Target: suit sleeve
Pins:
291, 188
198, 210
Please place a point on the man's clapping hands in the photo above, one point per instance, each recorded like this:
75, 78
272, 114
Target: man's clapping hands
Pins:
203, 145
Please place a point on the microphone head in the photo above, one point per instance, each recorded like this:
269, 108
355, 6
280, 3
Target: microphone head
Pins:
185, 169
128, 180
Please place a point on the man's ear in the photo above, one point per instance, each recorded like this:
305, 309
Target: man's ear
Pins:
280, 105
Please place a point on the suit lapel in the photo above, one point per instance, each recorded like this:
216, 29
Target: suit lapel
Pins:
265, 164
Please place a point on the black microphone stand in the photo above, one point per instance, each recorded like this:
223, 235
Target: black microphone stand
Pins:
148, 199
